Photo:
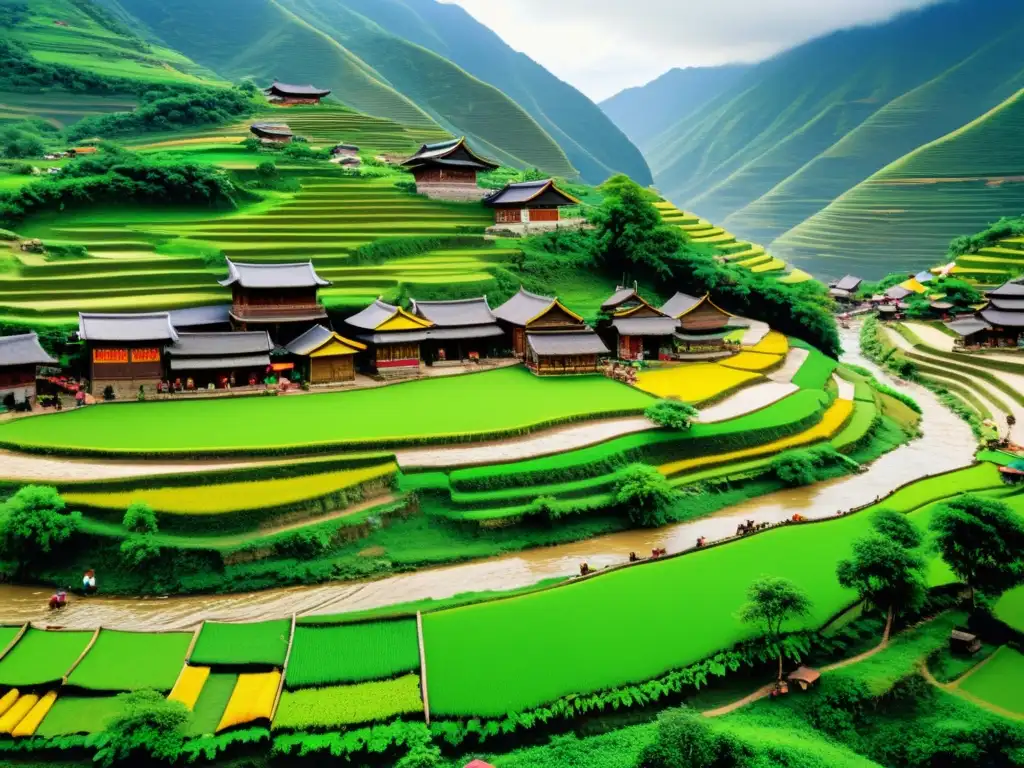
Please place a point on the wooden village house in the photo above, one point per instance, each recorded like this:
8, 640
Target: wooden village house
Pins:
272, 133
20, 359
231, 359
462, 330
529, 202
448, 170
325, 357
393, 336
279, 298
999, 324
125, 350
635, 329
703, 326
548, 336
285, 95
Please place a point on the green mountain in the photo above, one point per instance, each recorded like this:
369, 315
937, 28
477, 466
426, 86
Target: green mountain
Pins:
593, 143
793, 135
644, 112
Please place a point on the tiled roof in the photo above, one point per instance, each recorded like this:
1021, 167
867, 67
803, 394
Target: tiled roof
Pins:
679, 303
645, 326
23, 349
235, 362
296, 275
523, 307
142, 326
218, 314
373, 315
220, 344
455, 313
570, 343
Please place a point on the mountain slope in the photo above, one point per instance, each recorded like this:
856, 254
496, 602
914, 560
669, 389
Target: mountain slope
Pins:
321, 41
594, 144
914, 207
87, 37
646, 111
798, 131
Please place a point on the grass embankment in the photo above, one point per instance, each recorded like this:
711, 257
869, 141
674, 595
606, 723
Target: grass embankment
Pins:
999, 681
523, 664
502, 402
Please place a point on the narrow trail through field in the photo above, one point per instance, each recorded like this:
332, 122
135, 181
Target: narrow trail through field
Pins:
955, 689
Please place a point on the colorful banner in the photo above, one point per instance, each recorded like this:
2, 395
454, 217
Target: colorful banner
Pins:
146, 355
110, 355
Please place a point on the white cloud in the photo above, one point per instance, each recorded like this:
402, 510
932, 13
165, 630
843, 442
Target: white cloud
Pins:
603, 46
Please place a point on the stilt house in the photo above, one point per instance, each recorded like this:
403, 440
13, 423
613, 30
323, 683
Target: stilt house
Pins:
635, 329
272, 133
703, 325
448, 170
273, 297
393, 336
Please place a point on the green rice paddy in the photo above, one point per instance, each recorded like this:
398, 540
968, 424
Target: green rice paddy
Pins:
212, 702
327, 708
999, 681
505, 400
41, 657
7, 634
129, 661
352, 653
1010, 608
260, 644
79, 715
538, 647
815, 372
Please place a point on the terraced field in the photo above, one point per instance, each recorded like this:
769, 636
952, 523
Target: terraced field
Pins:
914, 207
728, 247
994, 265
141, 259
59, 109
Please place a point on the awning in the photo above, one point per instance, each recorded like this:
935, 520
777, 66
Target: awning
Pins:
967, 326
716, 336
219, 363
282, 366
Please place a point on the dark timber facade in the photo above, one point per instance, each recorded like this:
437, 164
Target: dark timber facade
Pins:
279, 298
448, 170
529, 202
126, 350
285, 94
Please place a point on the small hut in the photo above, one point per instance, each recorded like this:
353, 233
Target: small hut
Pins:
703, 325
285, 94
126, 350
326, 357
272, 133
964, 643
1013, 473
804, 678
529, 202
20, 358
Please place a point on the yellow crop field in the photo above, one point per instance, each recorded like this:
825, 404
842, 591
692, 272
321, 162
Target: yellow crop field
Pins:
189, 685
693, 382
774, 343
834, 419
17, 712
229, 497
31, 721
252, 699
8, 699
752, 361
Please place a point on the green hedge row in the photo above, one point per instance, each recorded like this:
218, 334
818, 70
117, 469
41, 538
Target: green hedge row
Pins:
523, 495
789, 416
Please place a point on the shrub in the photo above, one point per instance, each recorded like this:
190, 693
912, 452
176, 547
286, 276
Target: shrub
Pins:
140, 518
806, 466
645, 494
686, 738
33, 523
674, 414
149, 725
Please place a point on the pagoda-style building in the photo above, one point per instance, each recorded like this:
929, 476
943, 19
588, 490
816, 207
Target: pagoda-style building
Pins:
635, 329
272, 133
448, 170
393, 336
529, 202
462, 330
999, 324
703, 325
550, 337
274, 296
285, 95
20, 358
125, 350
229, 359
325, 357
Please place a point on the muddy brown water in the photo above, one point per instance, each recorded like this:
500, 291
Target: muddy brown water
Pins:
946, 444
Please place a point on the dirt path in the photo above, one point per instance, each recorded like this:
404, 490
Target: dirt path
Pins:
955, 689
28, 468
794, 359
765, 690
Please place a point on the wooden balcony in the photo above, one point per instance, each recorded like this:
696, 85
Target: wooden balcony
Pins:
277, 313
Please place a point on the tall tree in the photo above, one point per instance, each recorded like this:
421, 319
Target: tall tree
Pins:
34, 522
630, 235
771, 601
982, 540
897, 527
885, 573
645, 494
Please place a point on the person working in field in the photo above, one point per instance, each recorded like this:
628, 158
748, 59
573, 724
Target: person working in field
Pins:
89, 582
58, 600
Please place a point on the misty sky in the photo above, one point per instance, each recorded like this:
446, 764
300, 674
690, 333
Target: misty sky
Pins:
603, 46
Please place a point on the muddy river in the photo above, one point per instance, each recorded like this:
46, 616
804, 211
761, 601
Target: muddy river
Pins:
947, 443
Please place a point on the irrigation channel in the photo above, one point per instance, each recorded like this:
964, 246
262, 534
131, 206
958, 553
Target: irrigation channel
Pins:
946, 444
